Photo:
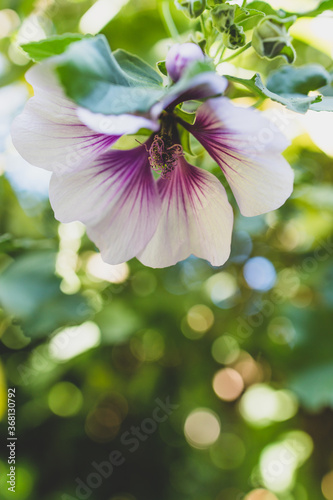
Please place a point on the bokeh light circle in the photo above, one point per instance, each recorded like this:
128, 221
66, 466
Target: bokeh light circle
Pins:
65, 399
327, 486
228, 384
259, 274
202, 428
200, 318
225, 349
260, 494
220, 287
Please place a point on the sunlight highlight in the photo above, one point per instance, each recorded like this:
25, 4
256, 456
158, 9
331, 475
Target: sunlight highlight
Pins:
99, 15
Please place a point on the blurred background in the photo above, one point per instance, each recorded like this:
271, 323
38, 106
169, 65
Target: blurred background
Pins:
244, 353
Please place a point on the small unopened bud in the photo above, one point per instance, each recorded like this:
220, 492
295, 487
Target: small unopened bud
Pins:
180, 56
271, 39
192, 8
223, 17
234, 37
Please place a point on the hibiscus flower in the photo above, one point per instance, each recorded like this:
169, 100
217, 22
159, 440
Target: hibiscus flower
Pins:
129, 212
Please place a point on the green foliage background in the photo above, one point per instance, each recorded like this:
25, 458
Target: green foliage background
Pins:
147, 348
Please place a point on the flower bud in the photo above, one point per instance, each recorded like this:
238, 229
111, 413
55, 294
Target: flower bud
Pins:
192, 8
180, 56
223, 17
271, 39
234, 37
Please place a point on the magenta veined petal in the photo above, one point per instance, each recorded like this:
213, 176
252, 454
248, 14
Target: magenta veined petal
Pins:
248, 149
196, 218
116, 197
49, 134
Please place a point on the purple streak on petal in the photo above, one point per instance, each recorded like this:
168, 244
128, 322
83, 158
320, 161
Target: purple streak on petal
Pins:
201, 86
180, 56
247, 147
196, 219
116, 197
48, 134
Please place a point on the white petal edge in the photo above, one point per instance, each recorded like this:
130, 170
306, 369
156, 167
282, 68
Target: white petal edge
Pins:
115, 124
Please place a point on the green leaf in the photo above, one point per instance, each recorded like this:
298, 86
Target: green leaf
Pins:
295, 102
106, 83
136, 68
270, 38
52, 46
191, 8
162, 68
313, 386
30, 293
187, 117
223, 17
117, 322
298, 80
248, 18
322, 7
326, 104
132, 141
185, 140
289, 53
263, 7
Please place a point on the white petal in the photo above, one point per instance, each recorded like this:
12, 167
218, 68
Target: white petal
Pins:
115, 124
49, 134
196, 219
260, 185
247, 147
116, 197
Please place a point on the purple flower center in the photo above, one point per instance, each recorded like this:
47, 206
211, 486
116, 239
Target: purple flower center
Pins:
165, 149
163, 155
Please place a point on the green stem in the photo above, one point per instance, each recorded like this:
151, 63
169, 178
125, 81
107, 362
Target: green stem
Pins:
223, 49
243, 4
259, 102
202, 24
167, 19
237, 53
